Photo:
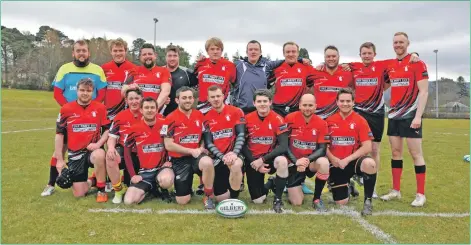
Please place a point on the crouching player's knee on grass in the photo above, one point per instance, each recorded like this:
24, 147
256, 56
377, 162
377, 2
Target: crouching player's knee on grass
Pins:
147, 181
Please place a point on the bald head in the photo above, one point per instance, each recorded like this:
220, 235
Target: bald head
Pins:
307, 105
308, 98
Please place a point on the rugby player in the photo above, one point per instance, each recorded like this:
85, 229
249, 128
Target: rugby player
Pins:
65, 91
182, 134
154, 169
224, 136
118, 71
409, 92
82, 121
308, 140
153, 80
181, 76
350, 142
117, 135
267, 142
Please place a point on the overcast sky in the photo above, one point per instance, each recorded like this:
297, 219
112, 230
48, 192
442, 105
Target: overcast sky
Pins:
313, 25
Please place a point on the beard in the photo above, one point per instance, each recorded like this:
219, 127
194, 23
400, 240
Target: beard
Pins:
79, 63
148, 66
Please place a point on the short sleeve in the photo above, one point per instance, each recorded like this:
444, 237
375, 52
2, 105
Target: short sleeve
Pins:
102, 79
420, 71
364, 133
105, 122
281, 126
59, 79
130, 139
168, 128
61, 122
239, 114
166, 77
323, 136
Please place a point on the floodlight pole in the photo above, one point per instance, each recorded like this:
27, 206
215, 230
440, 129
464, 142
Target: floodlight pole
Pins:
155, 30
436, 81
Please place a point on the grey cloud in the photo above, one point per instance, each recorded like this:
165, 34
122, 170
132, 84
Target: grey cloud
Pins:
312, 24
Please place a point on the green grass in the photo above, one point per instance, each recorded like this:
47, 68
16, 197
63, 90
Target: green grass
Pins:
61, 218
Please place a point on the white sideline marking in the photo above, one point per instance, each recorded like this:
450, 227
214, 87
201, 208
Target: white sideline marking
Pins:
420, 214
450, 133
26, 130
27, 120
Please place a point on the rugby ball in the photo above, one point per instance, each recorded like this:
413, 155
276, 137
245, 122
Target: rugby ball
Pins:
231, 208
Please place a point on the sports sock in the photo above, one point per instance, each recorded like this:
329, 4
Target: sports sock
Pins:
320, 183
101, 186
233, 193
208, 191
420, 178
396, 167
369, 181
280, 184
53, 174
118, 186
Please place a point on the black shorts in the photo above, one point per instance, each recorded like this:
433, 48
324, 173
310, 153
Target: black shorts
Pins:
221, 177
283, 110
79, 163
402, 129
184, 168
340, 178
376, 124
149, 179
122, 163
296, 178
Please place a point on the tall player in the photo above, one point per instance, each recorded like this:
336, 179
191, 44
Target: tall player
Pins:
154, 169
182, 134
118, 71
65, 91
350, 142
409, 92
82, 121
224, 136
117, 135
267, 142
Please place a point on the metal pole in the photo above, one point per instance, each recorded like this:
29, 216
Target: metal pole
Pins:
155, 30
436, 82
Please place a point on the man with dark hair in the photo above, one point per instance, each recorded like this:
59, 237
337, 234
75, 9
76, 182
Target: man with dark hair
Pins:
154, 169
82, 121
117, 135
267, 142
182, 134
65, 91
350, 142
224, 136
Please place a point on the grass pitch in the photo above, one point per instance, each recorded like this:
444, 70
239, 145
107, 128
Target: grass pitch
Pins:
28, 121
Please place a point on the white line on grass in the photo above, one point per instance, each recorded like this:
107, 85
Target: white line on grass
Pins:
420, 214
450, 133
26, 130
27, 120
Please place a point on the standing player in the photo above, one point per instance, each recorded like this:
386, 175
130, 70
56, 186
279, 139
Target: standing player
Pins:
154, 169
181, 76
350, 142
65, 91
213, 71
153, 80
409, 91
224, 136
82, 121
117, 135
308, 140
118, 72
267, 142
182, 137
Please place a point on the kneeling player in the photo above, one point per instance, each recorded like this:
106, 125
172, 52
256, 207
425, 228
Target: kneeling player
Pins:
224, 136
154, 170
350, 142
266, 129
307, 148
82, 121
118, 133
182, 136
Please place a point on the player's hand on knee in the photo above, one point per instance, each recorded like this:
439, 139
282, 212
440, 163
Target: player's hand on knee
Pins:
196, 152
264, 169
111, 153
304, 162
301, 169
167, 165
136, 179
93, 146
257, 164
343, 163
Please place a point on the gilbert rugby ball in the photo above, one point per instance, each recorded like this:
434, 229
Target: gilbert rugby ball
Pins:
231, 208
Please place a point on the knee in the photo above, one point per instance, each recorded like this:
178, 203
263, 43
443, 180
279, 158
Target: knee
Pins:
183, 200
296, 201
166, 181
206, 163
237, 166
396, 151
79, 194
281, 162
259, 200
128, 200
368, 166
415, 153
323, 164
342, 202
98, 157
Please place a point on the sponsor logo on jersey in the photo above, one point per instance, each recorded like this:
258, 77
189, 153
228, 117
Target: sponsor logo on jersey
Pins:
262, 140
114, 85
85, 127
400, 82
366, 81
154, 88
303, 145
342, 140
150, 148
329, 89
191, 138
207, 78
291, 82
223, 133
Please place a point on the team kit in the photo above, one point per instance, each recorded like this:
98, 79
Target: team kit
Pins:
148, 130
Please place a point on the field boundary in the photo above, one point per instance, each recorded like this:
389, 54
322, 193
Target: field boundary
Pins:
26, 130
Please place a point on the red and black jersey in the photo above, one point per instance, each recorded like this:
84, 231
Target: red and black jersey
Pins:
346, 135
150, 81
291, 83
222, 126
326, 87
368, 82
305, 136
116, 76
121, 124
404, 77
262, 133
82, 124
221, 73
184, 131
149, 143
